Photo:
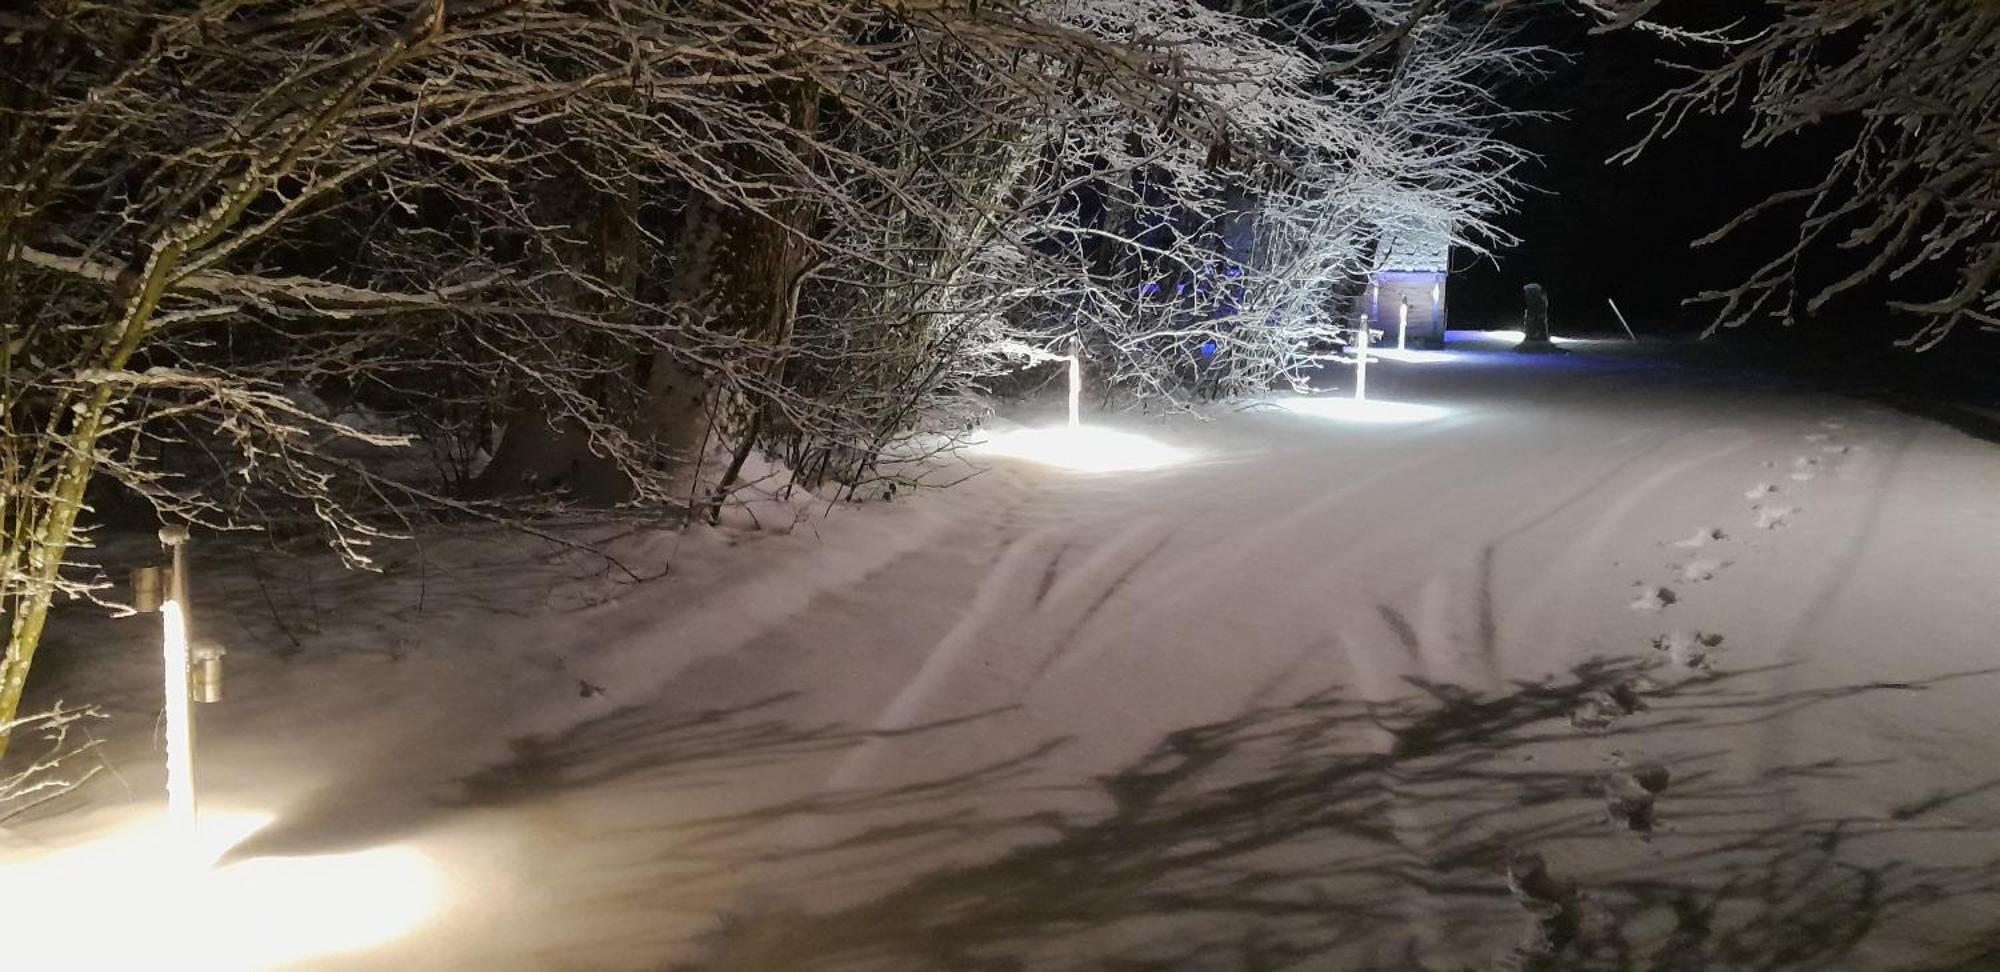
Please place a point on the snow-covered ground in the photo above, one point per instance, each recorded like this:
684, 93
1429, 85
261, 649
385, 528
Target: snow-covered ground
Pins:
1598, 663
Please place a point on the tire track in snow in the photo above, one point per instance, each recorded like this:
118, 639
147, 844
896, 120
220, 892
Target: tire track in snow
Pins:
1049, 575
1112, 560
1060, 657
1240, 552
1008, 588
1477, 665
1581, 555
1777, 749
1400, 811
1040, 604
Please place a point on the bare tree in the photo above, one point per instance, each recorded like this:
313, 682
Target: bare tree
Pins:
52, 769
1915, 82
604, 250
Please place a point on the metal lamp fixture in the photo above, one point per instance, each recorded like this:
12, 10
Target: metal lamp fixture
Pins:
152, 587
193, 673
205, 681
149, 588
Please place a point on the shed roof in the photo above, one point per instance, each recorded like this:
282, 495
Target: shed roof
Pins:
1417, 243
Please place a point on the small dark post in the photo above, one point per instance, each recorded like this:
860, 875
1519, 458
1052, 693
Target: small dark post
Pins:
1535, 321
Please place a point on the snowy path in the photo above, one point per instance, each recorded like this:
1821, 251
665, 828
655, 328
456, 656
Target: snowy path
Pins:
1717, 654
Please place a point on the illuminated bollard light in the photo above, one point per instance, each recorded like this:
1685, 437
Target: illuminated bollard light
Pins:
178, 688
1361, 362
1403, 325
1075, 392
181, 812
1075, 381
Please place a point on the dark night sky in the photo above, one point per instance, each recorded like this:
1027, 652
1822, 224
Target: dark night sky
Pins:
1591, 230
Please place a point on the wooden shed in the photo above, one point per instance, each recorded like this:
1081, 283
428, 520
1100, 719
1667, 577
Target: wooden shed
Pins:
1410, 286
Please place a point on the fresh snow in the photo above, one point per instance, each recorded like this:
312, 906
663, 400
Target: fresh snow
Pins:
1306, 690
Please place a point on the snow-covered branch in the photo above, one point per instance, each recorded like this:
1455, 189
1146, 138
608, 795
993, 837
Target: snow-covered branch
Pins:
1911, 197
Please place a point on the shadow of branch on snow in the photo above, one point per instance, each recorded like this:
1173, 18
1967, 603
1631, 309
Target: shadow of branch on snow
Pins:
1444, 830
1372, 836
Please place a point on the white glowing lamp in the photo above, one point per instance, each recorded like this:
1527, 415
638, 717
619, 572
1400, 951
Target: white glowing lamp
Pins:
1075, 391
176, 669
180, 721
1361, 362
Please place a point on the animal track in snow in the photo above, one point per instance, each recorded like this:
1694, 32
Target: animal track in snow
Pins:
1804, 476
1629, 798
1835, 450
1688, 650
1600, 709
1773, 517
1697, 570
1702, 538
1653, 600
1557, 909
1760, 491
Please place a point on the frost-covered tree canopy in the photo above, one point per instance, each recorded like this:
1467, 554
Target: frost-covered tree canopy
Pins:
603, 250
1912, 197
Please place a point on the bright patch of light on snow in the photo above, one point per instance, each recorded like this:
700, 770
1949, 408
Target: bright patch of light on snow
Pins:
1504, 339
1369, 412
143, 898
1085, 448
1413, 356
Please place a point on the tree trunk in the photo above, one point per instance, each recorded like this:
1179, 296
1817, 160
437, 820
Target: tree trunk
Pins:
540, 448
739, 274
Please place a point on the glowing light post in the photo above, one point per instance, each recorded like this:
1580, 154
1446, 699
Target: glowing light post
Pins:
188, 675
179, 674
1361, 362
1403, 324
1075, 381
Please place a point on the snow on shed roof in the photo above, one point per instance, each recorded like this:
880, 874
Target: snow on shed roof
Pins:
1417, 244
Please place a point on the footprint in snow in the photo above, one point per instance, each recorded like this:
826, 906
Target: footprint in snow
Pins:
1697, 570
1688, 650
1804, 468
1702, 538
1835, 450
1760, 491
1556, 909
1818, 437
1604, 707
1629, 798
1653, 600
1773, 517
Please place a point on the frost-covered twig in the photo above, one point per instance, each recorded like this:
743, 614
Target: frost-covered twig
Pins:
1911, 196
46, 767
